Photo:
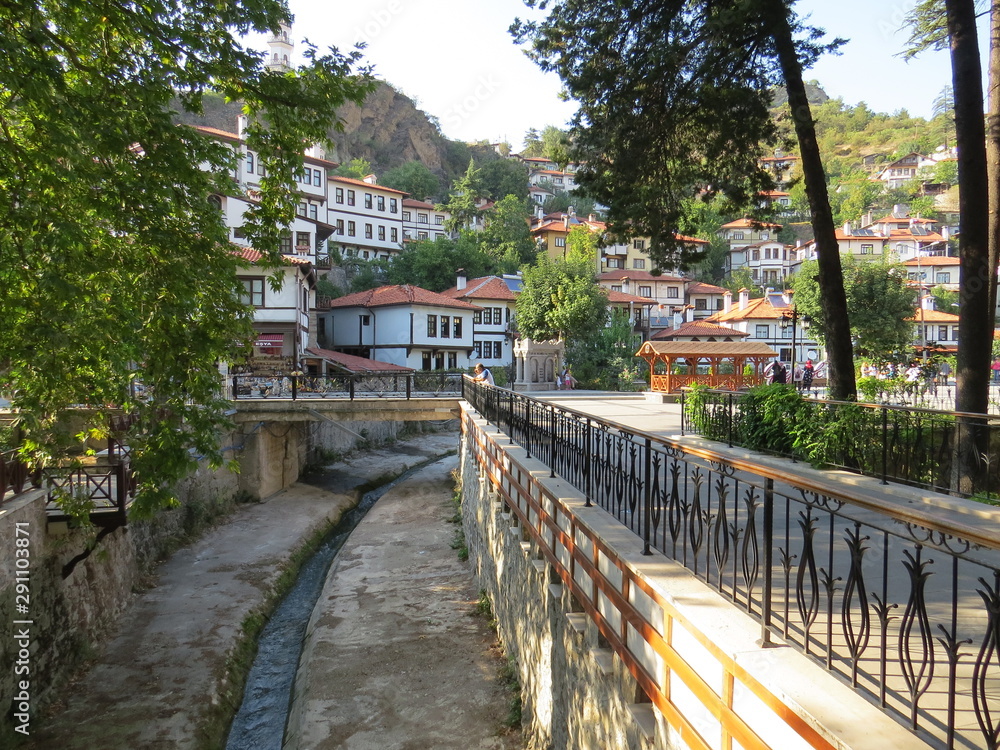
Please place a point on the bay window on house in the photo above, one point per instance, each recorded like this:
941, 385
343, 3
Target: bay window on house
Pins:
445, 326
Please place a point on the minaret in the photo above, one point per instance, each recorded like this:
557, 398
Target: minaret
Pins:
280, 45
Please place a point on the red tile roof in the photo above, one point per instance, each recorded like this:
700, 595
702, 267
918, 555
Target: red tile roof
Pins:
355, 364
485, 287
745, 223
217, 132
622, 297
617, 274
251, 255
414, 203
756, 308
932, 260
697, 328
401, 294
933, 316
700, 287
362, 183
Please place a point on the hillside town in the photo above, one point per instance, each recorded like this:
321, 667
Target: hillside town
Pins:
340, 218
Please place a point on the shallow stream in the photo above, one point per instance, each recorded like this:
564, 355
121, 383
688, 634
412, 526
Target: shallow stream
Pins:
260, 722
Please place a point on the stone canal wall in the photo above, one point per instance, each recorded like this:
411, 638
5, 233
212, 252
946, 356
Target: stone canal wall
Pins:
615, 649
77, 587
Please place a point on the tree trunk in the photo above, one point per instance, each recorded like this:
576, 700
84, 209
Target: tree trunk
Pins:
977, 274
993, 148
833, 298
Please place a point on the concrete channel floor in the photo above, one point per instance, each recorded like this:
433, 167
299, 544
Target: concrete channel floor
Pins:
153, 685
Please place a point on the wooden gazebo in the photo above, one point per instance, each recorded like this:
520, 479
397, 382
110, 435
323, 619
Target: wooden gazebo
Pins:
718, 364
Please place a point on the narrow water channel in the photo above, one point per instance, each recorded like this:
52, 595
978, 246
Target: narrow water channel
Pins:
260, 722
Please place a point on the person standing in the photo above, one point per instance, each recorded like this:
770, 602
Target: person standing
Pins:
943, 372
996, 370
808, 372
778, 373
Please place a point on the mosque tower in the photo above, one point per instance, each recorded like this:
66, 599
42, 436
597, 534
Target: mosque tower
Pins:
280, 45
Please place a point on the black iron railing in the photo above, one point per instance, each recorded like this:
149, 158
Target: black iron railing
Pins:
894, 443
15, 475
902, 605
403, 385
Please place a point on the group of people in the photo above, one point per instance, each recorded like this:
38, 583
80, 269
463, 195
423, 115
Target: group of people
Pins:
802, 375
564, 378
931, 373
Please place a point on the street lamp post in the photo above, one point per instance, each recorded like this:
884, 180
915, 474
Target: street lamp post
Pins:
792, 317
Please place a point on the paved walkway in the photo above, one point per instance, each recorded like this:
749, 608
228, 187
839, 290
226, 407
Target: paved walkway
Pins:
886, 541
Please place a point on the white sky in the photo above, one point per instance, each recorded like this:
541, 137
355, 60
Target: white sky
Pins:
457, 60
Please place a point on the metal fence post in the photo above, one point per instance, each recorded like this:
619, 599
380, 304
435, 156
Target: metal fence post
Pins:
552, 442
647, 512
295, 387
682, 413
588, 458
765, 615
409, 385
236, 390
730, 420
350, 385
885, 444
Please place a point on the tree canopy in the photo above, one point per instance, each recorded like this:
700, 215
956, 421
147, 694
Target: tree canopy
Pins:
560, 300
115, 265
413, 178
502, 177
505, 236
880, 301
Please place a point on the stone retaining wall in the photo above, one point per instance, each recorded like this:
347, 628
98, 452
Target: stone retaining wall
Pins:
620, 650
76, 595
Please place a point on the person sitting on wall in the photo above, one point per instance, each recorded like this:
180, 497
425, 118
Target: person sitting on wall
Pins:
483, 375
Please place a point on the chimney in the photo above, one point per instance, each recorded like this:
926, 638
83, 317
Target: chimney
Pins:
899, 210
689, 314
866, 220
241, 124
572, 211
927, 302
460, 281
592, 217
744, 298
625, 284
946, 233
371, 179
847, 228
727, 301
566, 221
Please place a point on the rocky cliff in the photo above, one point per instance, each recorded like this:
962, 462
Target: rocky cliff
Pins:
388, 131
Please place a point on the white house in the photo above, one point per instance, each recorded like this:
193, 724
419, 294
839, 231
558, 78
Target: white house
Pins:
492, 334
768, 320
282, 318
934, 330
367, 218
422, 221
402, 325
743, 235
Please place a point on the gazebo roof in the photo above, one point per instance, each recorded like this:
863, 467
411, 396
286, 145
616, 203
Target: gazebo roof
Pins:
681, 349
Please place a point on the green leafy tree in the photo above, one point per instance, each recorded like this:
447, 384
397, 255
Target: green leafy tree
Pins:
881, 303
741, 278
433, 264
605, 359
502, 177
115, 265
533, 146
562, 201
463, 202
659, 85
505, 237
413, 178
357, 169
560, 300
582, 246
